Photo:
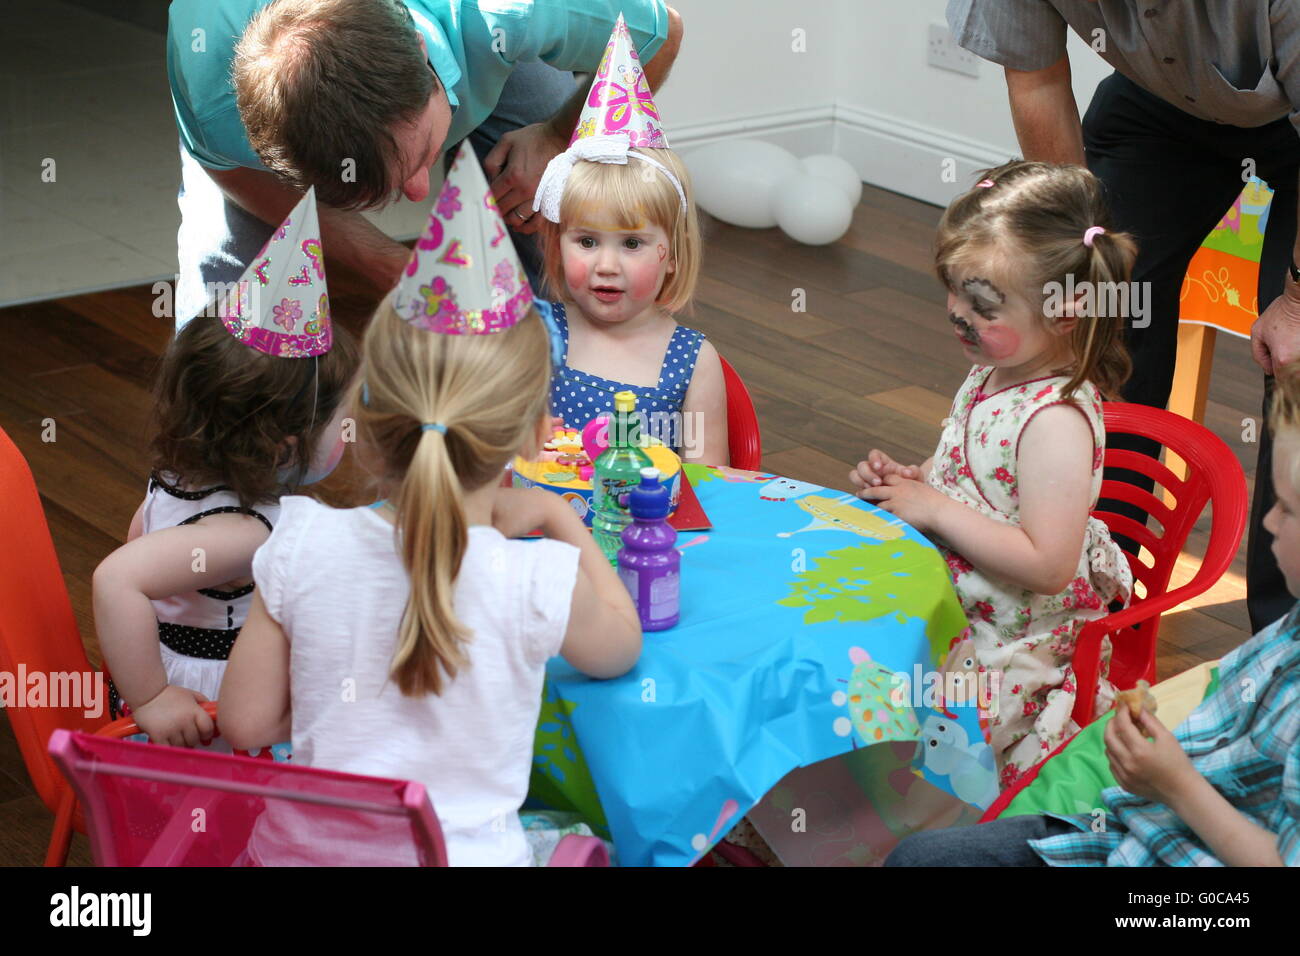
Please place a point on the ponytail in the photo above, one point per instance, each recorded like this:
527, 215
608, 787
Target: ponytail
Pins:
1098, 340
440, 417
433, 535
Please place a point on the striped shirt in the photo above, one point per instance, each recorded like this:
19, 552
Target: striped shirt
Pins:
1244, 738
1227, 61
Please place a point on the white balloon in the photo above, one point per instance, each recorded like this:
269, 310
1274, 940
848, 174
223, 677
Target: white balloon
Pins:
812, 211
733, 179
837, 170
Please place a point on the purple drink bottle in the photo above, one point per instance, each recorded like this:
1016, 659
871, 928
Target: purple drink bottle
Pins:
648, 562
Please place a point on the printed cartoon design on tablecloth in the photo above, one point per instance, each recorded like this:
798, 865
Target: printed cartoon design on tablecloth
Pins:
701, 843
844, 514
947, 751
783, 489
852, 584
878, 700
560, 776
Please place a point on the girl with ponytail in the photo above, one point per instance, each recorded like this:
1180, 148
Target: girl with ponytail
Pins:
1034, 274
409, 638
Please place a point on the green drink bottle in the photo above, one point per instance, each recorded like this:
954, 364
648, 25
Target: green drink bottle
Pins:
616, 472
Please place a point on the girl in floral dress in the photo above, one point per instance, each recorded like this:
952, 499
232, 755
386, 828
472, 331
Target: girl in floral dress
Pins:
1026, 257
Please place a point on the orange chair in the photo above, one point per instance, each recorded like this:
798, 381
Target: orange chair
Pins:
38, 635
1214, 476
744, 443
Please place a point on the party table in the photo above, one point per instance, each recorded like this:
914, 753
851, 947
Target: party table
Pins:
811, 622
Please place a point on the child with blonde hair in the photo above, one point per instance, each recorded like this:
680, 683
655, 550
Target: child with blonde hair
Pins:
1223, 787
622, 254
1009, 490
409, 639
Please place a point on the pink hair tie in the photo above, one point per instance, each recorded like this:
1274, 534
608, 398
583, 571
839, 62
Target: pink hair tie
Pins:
1092, 233
984, 184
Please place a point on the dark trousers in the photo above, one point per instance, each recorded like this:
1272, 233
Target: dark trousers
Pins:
997, 843
1169, 178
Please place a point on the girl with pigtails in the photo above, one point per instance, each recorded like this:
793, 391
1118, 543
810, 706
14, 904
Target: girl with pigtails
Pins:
1009, 492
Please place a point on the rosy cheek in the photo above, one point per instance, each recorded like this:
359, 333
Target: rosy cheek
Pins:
999, 342
575, 273
643, 279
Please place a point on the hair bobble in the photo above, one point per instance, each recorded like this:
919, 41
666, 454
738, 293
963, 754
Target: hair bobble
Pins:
984, 184
438, 427
1092, 233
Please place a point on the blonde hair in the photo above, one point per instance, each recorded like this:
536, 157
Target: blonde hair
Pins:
490, 391
626, 196
1284, 410
1035, 215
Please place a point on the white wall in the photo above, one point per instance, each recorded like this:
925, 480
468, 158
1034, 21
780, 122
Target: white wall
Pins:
861, 90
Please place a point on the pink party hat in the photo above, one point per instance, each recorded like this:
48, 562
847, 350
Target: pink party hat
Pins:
619, 103
281, 306
464, 277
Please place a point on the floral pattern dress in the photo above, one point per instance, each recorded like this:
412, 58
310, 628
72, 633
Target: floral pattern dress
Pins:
1026, 636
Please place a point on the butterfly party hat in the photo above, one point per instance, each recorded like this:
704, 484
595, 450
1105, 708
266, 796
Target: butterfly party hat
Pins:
618, 114
280, 305
619, 101
463, 277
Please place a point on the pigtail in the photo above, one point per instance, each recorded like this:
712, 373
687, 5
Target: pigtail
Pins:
433, 535
1098, 340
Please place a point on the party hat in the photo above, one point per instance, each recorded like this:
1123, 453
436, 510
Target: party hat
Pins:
619, 103
464, 277
280, 305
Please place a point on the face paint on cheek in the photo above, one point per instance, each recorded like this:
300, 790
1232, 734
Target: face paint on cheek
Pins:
663, 252
1000, 342
643, 280
575, 273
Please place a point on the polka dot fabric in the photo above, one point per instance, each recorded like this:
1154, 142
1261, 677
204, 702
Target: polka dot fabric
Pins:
578, 396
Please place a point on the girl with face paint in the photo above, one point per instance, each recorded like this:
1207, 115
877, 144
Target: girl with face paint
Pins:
1008, 494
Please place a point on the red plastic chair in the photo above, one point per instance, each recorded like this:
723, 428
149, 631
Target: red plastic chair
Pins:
744, 443
38, 634
149, 805
1214, 476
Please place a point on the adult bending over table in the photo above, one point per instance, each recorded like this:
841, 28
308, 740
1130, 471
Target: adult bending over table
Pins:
1200, 88
359, 98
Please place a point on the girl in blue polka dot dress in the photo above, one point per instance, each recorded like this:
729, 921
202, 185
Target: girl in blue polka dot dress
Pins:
623, 259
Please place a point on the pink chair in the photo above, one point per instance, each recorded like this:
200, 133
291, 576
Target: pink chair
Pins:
149, 805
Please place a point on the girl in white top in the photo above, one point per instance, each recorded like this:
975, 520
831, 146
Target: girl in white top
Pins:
409, 639
235, 429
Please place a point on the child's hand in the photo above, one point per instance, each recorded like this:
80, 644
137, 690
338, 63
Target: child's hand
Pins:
175, 717
1157, 769
520, 511
914, 501
878, 467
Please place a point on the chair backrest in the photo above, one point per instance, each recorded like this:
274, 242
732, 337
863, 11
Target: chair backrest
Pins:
744, 443
149, 805
38, 632
1214, 476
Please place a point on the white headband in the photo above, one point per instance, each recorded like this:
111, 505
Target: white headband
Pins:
597, 149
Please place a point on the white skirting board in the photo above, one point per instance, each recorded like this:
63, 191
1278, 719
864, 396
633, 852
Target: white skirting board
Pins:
894, 154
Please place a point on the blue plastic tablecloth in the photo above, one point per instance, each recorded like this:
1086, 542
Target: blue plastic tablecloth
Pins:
809, 620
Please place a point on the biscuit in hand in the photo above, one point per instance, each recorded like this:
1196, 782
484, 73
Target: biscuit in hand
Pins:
1138, 699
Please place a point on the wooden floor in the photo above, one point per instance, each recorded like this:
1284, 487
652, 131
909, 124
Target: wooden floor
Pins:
870, 362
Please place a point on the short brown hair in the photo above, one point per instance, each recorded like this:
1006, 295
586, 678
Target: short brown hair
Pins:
223, 411
319, 82
1036, 215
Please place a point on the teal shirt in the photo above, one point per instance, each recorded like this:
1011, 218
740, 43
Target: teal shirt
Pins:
473, 46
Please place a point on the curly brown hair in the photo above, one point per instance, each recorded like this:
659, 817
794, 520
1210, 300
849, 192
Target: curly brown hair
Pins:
357, 63
224, 412
1034, 215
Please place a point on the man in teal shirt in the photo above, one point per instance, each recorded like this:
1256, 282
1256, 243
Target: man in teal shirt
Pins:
359, 98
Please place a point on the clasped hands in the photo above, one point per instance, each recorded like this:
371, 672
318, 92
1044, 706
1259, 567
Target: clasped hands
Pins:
899, 489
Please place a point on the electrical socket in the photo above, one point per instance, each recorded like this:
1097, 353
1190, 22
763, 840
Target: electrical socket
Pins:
943, 52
